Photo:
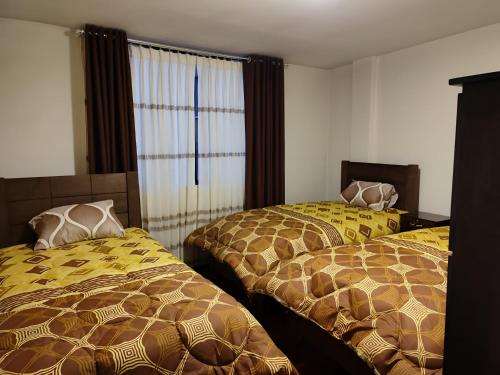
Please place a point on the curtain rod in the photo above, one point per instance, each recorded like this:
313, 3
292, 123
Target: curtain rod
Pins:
179, 49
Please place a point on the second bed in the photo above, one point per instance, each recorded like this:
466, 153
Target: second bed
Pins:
310, 259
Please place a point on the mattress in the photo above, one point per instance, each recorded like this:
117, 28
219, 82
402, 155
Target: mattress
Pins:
123, 305
385, 297
253, 242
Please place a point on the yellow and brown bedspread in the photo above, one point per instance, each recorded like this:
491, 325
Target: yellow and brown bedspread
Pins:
122, 305
253, 242
385, 298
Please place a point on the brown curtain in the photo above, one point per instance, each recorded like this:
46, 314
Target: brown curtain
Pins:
265, 131
110, 111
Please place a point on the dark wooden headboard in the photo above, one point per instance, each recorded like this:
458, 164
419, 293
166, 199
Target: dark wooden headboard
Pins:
405, 178
23, 198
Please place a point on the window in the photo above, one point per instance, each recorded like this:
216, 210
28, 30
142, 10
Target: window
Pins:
190, 133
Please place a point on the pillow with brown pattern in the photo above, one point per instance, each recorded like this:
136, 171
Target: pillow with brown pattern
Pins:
375, 195
77, 222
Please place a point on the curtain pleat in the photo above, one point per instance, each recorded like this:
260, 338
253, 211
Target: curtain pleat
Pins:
163, 87
265, 132
221, 127
172, 204
109, 105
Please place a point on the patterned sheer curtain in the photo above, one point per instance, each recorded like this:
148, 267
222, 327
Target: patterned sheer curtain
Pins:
221, 138
190, 172
163, 91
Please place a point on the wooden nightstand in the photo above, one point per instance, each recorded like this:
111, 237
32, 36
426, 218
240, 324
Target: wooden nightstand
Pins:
419, 220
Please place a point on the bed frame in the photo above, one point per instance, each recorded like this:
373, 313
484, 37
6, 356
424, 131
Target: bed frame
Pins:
292, 333
23, 198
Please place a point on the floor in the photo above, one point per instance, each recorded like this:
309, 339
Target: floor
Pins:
304, 357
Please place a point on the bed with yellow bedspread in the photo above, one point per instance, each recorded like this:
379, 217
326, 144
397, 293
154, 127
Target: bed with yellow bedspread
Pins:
253, 242
122, 305
385, 298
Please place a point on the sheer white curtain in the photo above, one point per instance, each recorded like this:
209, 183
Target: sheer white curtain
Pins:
163, 90
163, 85
221, 138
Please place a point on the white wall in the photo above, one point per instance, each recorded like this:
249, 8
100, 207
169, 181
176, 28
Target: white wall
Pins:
307, 130
403, 95
42, 113
415, 110
364, 106
338, 147
417, 107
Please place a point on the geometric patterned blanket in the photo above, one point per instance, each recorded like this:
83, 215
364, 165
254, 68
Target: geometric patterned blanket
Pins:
117, 306
385, 298
253, 242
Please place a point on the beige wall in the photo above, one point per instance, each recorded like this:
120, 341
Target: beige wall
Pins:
42, 113
307, 132
417, 107
339, 139
401, 99
414, 109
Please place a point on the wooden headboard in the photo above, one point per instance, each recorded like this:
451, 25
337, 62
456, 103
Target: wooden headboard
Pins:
23, 198
405, 178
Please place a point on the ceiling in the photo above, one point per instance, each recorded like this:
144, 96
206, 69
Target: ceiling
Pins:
321, 33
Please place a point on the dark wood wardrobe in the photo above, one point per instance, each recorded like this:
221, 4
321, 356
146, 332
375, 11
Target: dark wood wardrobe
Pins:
472, 336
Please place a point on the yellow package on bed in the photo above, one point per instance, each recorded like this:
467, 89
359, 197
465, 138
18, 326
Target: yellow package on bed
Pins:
24, 270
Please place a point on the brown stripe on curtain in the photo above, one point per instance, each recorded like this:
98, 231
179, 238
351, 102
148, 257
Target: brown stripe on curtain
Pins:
265, 131
110, 110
